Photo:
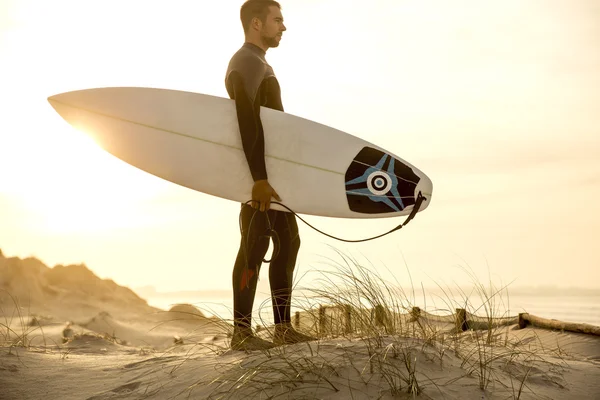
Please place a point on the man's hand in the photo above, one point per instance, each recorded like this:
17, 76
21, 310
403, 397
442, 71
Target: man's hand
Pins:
261, 195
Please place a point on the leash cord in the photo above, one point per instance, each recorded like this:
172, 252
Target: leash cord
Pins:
418, 202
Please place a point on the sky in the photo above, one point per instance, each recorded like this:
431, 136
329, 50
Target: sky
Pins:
497, 102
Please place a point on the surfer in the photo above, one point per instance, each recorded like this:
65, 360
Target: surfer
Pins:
251, 82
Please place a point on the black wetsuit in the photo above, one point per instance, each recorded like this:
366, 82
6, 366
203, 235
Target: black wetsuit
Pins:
250, 81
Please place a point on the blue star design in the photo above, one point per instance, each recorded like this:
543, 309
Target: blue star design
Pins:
379, 199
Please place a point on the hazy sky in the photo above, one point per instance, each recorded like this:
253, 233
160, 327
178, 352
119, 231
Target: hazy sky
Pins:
498, 102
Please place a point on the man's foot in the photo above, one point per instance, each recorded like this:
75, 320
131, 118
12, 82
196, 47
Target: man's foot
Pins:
244, 340
285, 334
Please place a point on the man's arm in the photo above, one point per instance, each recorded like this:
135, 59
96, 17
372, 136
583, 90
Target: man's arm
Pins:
251, 130
253, 139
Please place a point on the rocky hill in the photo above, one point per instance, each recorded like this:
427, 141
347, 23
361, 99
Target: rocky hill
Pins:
62, 290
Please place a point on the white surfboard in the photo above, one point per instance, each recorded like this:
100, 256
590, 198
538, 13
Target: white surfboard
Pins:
193, 140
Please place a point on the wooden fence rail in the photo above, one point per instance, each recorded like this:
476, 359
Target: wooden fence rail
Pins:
461, 319
526, 319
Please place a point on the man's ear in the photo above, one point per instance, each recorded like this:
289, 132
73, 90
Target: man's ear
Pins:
256, 23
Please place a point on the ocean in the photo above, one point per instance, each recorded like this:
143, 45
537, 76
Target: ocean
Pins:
567, 308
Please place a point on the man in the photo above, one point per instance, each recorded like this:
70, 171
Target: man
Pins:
251, 82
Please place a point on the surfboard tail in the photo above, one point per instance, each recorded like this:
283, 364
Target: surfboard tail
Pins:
379, 183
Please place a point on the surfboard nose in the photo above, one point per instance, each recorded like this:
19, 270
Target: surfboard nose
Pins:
58, 99
61, 104
56, 103
54, 97
69, 97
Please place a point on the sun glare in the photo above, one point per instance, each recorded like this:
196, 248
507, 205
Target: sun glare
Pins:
493, 100
83, 188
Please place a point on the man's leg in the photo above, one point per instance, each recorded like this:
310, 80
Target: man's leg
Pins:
281, 270
253, 247
281, 275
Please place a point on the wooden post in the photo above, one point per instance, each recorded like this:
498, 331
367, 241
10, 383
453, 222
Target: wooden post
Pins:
348, 318
379, 315
415, 313
522, 320
297, 320
461, 319
322, 319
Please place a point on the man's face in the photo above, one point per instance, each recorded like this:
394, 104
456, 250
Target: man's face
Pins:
273, 27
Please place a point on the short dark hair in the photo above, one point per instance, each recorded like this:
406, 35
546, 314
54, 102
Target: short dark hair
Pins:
255, 8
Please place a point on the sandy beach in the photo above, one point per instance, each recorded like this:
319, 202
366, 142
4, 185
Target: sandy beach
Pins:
75, 336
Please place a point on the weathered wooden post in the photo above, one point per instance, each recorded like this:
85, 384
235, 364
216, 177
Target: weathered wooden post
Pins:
523, 322
461, 319
297, 320
415, 313
322, 319
379, 315
348, 318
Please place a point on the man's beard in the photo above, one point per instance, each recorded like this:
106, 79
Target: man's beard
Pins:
270, 41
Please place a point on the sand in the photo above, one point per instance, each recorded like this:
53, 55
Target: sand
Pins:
94, 366
74, 343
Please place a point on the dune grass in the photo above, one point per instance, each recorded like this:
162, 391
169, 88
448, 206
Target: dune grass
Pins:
26, 329
373, 341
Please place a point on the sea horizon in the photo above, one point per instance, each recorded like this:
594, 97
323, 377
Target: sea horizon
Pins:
567, 306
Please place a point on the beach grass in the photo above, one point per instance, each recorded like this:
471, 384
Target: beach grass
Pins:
373, 341
22, 332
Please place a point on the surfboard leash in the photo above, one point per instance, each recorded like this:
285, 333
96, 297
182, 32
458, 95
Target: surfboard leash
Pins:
418, 202
271, 232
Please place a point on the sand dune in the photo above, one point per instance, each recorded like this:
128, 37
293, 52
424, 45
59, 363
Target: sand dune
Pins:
71, 291
92, 367
80, 337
